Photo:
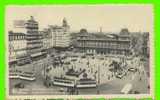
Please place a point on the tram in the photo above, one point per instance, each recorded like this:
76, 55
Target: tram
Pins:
30, 76
63, 82
86, 83
14, 74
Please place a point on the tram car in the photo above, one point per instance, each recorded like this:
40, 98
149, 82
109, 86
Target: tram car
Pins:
30, 76
86, 83
63, 82
14, 74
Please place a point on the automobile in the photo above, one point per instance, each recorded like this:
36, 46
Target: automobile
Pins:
19, 85
132, 69
62, 90
119, 76
67, 63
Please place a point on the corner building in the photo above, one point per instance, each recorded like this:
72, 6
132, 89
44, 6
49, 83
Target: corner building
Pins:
60, 35
34, 39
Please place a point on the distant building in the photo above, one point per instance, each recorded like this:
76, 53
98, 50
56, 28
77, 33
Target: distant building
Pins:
94, 43
17, 47
46, 39
140, 43
145, 44
60, 35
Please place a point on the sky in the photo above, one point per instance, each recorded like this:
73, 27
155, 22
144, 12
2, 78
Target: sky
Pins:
110, 17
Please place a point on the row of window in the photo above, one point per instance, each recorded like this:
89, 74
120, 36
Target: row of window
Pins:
16, 37
103, 44
108, 51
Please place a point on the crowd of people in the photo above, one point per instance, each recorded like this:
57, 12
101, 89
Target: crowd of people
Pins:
96, 67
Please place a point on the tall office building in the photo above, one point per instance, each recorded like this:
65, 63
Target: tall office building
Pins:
34, 39
17, 48
60, 35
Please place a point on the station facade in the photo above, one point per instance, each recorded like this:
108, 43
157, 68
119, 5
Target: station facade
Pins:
119, 44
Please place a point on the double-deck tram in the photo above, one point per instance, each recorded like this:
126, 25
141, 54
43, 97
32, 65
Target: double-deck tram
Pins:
15, 74
22, 60
86, 84
64, 82
27, 76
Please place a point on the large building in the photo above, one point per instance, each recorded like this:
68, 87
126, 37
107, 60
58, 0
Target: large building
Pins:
60, 35
98, 43
34, 39
17, 48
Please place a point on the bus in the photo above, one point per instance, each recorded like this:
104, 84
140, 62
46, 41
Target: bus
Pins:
86, 83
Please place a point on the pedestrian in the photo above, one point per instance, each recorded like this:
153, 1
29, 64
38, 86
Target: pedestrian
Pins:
98, 92
140, 79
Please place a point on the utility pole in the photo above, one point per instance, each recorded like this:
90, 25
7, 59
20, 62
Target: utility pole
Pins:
44, 66
98, 91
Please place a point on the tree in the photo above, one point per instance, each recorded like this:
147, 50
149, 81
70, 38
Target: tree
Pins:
83, 30
116, 66
85, 75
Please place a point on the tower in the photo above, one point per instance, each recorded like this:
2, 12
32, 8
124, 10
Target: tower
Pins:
100, 29
34, 42
64, 24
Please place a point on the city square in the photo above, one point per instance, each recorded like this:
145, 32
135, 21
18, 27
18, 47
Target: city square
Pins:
109, 83
55, 60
